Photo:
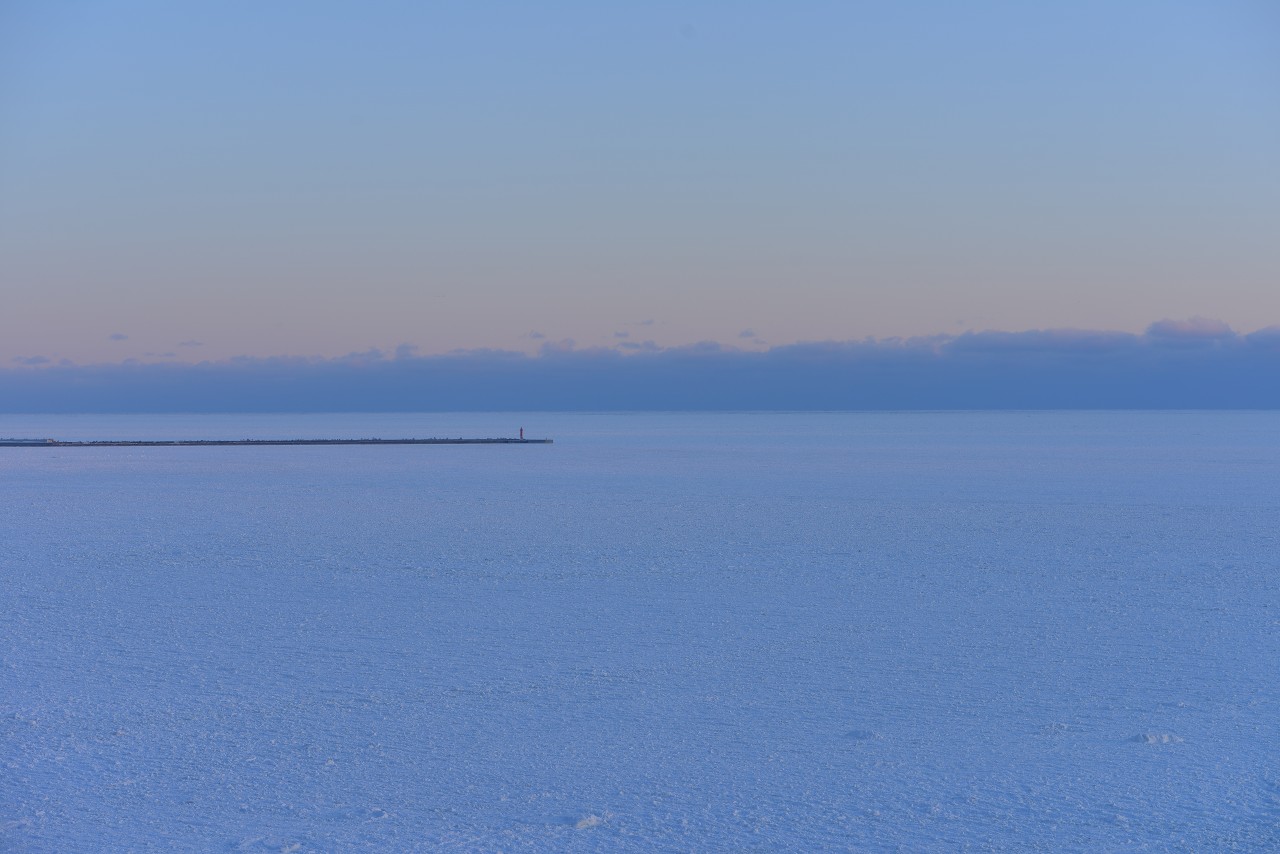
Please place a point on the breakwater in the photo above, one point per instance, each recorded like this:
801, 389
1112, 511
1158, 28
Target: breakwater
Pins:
205, 443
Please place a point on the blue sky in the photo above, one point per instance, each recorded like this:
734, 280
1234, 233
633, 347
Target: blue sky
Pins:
198, 182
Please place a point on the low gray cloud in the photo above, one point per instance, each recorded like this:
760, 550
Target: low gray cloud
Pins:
1268, 337
647, 346
1194, 329
118, 336
361, 357
747, 333
555, 348
190, 343
1037, 369
32, 360
1040, 340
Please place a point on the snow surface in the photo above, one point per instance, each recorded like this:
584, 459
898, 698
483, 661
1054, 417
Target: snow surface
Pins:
869, 632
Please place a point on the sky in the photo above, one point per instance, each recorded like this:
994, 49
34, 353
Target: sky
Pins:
1198, 364
189, 183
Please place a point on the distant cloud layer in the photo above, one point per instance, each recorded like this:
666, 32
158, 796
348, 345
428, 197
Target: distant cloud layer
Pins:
1194, 364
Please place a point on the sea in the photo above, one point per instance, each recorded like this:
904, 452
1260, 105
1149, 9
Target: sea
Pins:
925, 631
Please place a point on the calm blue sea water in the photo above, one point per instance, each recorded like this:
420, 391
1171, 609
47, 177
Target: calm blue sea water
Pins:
926, 631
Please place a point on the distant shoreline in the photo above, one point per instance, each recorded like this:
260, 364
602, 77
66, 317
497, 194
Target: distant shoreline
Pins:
54, 443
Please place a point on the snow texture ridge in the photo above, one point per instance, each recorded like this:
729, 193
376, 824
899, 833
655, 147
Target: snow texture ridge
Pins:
865, 632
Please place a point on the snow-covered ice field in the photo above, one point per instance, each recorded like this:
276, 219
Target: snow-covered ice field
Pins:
867, 632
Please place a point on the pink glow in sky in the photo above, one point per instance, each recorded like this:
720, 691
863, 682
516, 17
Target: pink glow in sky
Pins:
185, 183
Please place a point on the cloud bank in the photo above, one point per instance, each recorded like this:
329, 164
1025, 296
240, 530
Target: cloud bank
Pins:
1195, 364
